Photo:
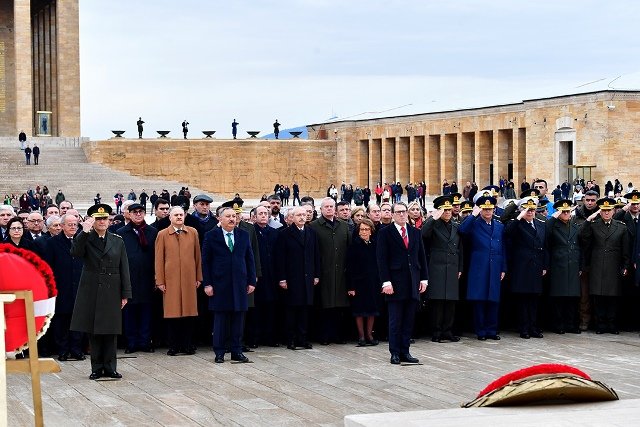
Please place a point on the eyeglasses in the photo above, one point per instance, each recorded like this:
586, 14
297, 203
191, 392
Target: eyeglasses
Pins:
16, 228
137, 213
400, 212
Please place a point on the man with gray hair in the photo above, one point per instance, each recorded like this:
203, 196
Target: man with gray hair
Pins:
6, 213
334, 238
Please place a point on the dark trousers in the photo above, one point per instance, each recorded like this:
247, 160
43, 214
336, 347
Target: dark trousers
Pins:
485, 318
332, 320
137, 324
401, 317
251, 327
565, 313
28, 156
180, 333
606, 311
67, 341
103, 352
442, 316
235, 322
527, 309
585, 301
265, 319
297, 324
296, 197
35, 159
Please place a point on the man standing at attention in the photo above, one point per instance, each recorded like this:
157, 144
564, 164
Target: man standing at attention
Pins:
229, 276
402, 265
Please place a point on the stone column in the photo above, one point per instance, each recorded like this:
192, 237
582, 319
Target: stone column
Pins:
68, 67
402, 159
416, 154
375, 156
484, 151
448, 156
388, 160
23, 66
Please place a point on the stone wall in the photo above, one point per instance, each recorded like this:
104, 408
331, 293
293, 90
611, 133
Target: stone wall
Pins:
224, 167
7, 70
531, 139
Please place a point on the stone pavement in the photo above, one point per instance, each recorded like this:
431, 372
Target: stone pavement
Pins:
311, 387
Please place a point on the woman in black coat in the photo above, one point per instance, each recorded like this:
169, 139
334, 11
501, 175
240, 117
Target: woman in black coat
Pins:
363, 281
16, 235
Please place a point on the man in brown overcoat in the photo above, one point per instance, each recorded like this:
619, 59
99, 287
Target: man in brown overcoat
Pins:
178, 276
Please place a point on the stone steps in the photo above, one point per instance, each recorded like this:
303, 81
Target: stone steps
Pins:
66, 167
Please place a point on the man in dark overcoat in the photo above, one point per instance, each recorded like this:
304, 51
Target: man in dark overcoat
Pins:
229, 275
606, 245
565, 267
402, 265
630, 215
525, 236
66, 270
444, 252
266, 295
297, 271
487, 266
103, 291
139, 240
334, 238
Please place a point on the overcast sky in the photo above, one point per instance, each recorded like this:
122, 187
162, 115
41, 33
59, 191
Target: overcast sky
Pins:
304, 61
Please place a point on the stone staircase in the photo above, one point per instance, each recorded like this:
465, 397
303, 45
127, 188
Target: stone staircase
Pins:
63, 165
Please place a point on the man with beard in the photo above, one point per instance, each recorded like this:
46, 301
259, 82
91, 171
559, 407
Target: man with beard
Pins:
588, 208
139, 240
276, 220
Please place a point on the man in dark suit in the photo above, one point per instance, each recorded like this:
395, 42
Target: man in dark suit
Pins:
66, 270
297, 270
229, 275
402, 265
630, 215
525, 237
606, 247
139, 239
103, 291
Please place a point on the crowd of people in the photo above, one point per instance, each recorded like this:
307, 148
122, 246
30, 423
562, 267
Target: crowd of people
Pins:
352, 269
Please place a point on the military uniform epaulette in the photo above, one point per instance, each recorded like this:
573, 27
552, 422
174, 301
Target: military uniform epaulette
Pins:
620, 222
114, 235
538, 219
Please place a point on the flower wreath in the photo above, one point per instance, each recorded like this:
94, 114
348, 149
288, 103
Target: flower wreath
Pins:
21, 269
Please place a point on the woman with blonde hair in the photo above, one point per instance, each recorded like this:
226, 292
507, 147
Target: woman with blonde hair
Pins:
358, 214
415, 214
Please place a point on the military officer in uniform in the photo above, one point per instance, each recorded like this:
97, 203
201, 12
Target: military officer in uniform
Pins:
103, 291
606, 244
487, 266
565, 269
630, 215
444, 252
525, 237
456, 201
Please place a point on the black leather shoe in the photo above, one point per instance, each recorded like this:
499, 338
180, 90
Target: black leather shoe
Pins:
408, 358
435, 339
536, 335
599, 331
63, 357
95, 375
114, 374
454, 338
77, 356
574, 331
395, 359
190, 352
307, 345
362, 343
615, 332
494, 337
148, 349
172, 352
372, 342
482, 338
219, 359
324, 342
239, 357
291, 347
525, 336
129, 350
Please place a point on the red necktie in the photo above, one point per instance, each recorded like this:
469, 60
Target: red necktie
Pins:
405, 239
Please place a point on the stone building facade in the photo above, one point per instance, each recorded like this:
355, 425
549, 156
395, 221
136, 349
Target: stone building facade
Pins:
39, 67
587, 135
